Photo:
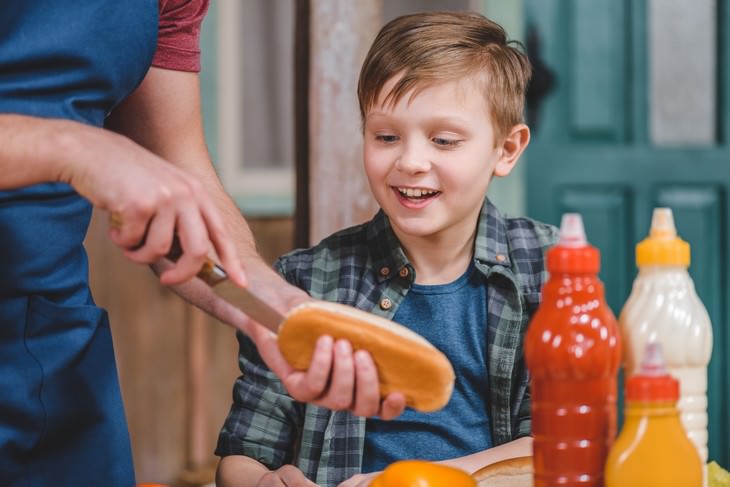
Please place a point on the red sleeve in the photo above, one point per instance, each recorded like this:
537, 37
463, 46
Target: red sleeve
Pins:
178, 37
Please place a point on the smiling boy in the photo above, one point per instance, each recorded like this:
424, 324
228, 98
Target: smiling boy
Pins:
441, 97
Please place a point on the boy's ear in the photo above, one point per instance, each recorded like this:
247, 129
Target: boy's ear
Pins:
512, 148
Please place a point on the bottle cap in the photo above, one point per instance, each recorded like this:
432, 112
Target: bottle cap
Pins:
652, 383
662, 246
573, 253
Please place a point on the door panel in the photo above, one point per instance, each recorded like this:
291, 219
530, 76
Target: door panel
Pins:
591, 153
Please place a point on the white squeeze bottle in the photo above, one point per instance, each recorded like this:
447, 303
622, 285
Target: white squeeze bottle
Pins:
664, 307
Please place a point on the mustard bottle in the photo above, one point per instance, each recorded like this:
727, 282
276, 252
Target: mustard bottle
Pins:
653, 449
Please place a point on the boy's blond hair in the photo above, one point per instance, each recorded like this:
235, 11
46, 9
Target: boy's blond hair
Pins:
433, 47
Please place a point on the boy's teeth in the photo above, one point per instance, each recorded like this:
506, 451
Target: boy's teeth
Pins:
416, 192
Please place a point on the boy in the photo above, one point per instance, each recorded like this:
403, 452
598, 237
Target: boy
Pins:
441, 97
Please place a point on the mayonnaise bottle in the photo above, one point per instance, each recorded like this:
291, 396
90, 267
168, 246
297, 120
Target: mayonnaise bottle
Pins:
663, 307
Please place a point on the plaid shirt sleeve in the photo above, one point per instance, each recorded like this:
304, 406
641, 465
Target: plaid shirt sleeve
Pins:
262, 422
545, 236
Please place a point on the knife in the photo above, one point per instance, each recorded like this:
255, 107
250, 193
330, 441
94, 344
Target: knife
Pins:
215, 276
242, 297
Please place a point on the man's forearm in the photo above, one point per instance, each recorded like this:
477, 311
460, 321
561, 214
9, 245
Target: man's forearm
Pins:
37, 150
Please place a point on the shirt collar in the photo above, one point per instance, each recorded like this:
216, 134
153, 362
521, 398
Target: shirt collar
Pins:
490, 246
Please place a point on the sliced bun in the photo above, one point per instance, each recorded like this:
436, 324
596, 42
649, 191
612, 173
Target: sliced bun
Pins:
513, 472
406, 362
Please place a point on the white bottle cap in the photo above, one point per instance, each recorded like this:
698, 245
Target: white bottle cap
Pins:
662, 223
652, 364
572, 233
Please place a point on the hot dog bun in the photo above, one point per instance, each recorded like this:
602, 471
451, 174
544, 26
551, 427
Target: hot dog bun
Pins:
513, 472
406, 361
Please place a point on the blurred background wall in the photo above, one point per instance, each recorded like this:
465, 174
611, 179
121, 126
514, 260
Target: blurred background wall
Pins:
629, 111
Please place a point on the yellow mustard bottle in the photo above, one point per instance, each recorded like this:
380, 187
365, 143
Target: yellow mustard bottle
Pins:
653, 449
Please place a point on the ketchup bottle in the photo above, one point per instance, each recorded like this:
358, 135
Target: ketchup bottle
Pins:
573, 351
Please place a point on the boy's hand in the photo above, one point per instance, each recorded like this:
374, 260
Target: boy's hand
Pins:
286, 476
360, 480
337, 379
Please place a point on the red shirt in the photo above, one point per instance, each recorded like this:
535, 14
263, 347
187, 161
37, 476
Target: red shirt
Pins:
178, 37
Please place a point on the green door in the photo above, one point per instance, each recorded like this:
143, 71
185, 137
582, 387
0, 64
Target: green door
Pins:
637, 118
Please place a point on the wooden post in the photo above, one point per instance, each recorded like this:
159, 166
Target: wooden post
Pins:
341, 33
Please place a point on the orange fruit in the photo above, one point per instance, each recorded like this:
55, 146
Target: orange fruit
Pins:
419, 473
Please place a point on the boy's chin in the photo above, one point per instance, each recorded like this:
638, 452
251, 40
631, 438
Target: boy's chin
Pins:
417, 227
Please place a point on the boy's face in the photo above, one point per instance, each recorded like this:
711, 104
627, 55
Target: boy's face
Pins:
429, 159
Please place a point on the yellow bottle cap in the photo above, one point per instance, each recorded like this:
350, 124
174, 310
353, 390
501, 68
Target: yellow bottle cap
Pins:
662, 246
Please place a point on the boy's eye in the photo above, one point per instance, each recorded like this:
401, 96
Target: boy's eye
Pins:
445, 142
388, 139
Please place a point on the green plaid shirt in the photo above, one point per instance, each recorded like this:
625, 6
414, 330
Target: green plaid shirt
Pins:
361, 266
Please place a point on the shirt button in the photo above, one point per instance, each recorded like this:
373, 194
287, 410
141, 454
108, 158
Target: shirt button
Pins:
386, 304
384, 271
501, 258
403, 272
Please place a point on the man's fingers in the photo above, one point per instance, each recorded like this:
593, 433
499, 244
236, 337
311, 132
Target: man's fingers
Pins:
223, 245
129, 227
194, 242
157, 241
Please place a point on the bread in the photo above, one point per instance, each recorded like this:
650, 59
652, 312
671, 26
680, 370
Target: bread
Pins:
406, 361
513, 472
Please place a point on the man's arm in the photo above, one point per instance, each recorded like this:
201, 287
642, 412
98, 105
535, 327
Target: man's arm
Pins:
163, 115
119, 176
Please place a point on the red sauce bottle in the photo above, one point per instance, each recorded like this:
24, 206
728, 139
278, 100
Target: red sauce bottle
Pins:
573, 351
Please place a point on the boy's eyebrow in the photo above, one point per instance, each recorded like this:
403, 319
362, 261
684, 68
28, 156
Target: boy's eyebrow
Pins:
435, 119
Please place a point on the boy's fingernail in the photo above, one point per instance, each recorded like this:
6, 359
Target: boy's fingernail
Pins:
343, 346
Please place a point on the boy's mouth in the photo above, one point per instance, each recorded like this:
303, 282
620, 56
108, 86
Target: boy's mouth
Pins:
417, 194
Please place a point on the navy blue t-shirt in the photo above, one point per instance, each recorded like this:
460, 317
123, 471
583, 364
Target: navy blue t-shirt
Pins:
453, 317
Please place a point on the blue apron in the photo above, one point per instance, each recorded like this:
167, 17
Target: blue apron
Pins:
61, 415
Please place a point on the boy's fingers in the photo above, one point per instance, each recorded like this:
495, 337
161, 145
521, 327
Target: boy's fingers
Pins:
393, 405
340, 393
367, 398
320, 368
309, 385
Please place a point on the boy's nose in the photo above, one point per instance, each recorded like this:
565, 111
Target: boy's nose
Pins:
412, 161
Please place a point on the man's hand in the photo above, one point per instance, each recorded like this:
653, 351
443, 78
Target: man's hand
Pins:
151, 200
150, 193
